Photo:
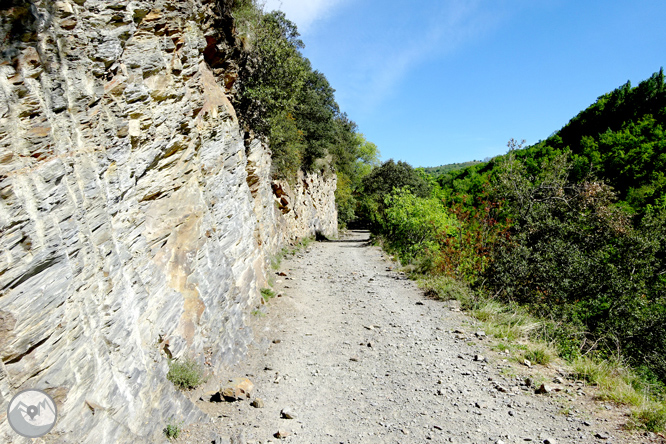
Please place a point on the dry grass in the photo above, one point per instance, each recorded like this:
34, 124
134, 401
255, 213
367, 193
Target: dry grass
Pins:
447, 289
505, 322
540, 353
650, 416
517, 331
620, 384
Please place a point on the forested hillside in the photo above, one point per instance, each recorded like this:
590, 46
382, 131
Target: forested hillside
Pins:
572, 229
443, 169
619, 139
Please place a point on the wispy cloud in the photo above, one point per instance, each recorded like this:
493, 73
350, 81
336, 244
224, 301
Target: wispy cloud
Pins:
450, 26
304, 12
376, 50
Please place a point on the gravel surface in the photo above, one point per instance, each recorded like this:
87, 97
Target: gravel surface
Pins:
352, 352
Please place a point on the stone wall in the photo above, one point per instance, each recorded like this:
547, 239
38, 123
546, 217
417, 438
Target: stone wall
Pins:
134, 223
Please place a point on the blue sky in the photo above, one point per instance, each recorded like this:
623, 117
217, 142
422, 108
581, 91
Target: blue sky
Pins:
433, 82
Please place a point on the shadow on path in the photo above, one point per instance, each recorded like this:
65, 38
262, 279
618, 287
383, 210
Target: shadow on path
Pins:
355, 238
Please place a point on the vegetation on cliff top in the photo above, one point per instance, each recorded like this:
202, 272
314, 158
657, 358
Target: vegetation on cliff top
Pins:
284, 100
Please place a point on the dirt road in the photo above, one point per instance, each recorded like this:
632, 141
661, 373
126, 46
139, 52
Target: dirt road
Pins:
357, 354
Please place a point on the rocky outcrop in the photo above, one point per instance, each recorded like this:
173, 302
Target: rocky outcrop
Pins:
134, 226
287, 213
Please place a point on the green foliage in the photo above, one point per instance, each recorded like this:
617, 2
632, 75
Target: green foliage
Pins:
274, 72
366, 158
267, 294
173, 429
356, 158
345, 200
444, 169
414, 224
467, 254
247, 17
574, 227
273, 76
287, 147
422, 224
281, 98
317, 114
379, 183
186, 374
383, 179
574, 254
621, 138
572, 230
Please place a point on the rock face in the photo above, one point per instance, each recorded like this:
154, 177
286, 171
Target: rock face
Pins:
288, 212
134, 224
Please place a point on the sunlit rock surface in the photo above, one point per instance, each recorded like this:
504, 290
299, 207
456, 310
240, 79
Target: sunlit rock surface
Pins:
133, 224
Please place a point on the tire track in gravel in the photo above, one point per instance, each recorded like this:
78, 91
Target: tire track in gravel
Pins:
360, 356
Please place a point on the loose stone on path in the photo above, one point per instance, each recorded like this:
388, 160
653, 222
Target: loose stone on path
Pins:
366, 368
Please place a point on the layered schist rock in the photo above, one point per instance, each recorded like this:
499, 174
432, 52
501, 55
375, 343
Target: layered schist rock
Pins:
287, 212
133, 225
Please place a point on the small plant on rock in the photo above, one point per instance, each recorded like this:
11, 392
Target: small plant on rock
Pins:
267, 294
186, 374
172, 429
257, 312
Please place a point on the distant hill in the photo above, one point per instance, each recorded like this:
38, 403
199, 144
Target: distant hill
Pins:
621, 139
443, 169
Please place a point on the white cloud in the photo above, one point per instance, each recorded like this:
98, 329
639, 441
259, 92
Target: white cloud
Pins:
303, 12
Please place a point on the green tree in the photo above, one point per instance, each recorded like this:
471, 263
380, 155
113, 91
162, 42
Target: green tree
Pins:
293, 106
413, 225
383, 179
273, 74
287, 146
381, 182
360, 157
315, 112
282, 99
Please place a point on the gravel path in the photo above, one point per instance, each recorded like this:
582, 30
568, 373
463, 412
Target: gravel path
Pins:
357, 354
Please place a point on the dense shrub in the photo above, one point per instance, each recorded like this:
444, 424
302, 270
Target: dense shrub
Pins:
466, 253
287, 146
573, 253
186, 374
355, 157
383, 179
379, 183
539, 228
414, 224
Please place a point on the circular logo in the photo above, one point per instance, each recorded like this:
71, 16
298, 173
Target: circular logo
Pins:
32, 413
